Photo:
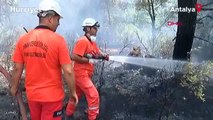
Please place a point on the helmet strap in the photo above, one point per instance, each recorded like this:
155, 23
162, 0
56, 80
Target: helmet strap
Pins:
87, 36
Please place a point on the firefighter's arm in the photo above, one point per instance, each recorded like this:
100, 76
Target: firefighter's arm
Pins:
16, 76
80, 59
84, 59
102, 55
70, 80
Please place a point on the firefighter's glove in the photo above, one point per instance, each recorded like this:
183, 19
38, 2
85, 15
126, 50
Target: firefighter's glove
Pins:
89, 56
98, 56
93, 61
106, 57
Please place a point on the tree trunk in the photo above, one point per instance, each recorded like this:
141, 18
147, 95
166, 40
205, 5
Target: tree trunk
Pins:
185, 33
151, 12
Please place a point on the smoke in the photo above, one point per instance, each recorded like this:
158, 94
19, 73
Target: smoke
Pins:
119, 23
73, 11
203, 41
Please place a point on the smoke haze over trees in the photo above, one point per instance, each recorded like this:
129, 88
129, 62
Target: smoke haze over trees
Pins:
123, 23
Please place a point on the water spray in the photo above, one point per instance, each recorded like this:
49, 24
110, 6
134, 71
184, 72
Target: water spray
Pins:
149, 62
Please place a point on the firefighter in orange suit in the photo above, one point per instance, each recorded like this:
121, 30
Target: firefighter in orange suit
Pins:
43, 54
85, 53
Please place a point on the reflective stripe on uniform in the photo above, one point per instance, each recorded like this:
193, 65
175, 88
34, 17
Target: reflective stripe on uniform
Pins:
93, 108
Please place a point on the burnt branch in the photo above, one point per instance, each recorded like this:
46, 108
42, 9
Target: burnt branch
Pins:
208, 4
199, 38
140, 40
207, 16
207, 9
174, 38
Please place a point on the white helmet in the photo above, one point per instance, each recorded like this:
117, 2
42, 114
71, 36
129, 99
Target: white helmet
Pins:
90, 22
47, 5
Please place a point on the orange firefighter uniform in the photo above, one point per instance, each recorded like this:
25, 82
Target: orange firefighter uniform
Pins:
43, 52
83, 75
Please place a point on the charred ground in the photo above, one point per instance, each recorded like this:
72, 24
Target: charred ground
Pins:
131, 94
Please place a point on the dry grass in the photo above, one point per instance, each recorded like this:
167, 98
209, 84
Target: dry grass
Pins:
3, 82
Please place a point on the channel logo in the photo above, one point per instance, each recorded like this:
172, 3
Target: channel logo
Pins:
171, 23
31, 10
